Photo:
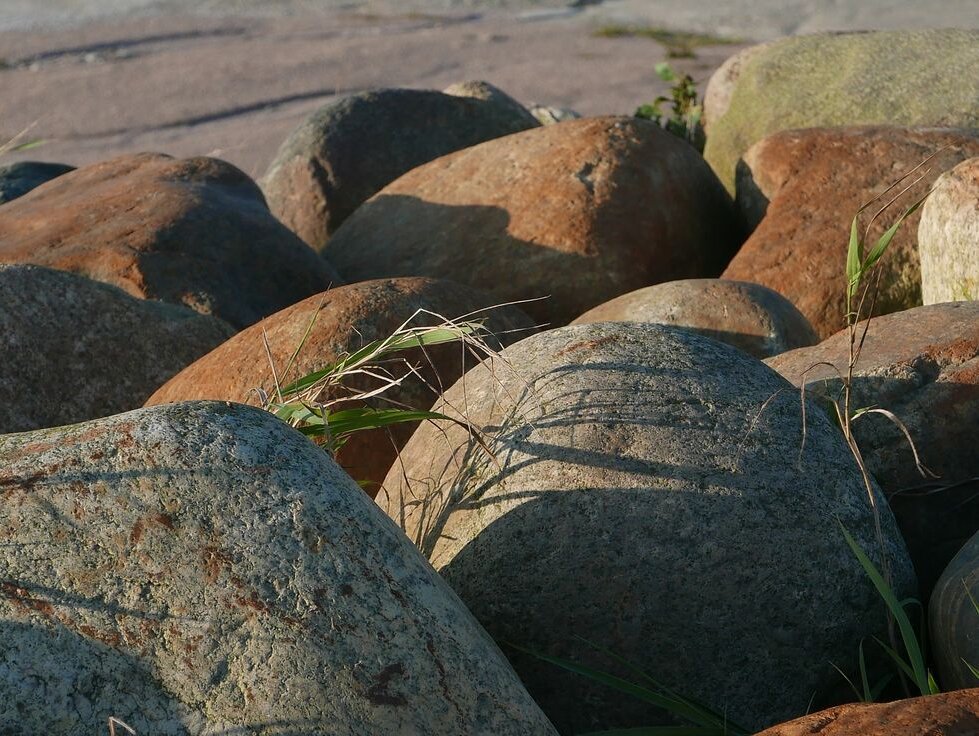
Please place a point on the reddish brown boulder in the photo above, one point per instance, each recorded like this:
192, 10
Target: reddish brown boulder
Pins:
802, 189
348, 150
74, 349
580, 211
948, 714
748, 316
191, 231
347, 318
922, 365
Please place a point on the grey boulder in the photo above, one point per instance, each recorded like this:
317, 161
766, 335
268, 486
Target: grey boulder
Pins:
953, 619
76, 349
646, 489
19, 178
203, 568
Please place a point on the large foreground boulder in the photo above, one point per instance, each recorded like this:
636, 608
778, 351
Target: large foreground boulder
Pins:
748, 316
191, 231
946, 714
799, 191
914, 78
203, 568
328, 326
345, 152
581, 212
923, 366
75, 349
643, 490
948, 236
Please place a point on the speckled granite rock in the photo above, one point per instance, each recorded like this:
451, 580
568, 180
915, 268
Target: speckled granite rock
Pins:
748, 316
203, 568
948, 236
639, 498
953, 621
348, 150
75, 349
579, 212
483, 90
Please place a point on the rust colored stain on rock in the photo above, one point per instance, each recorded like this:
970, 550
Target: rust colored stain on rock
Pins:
194, 231
801, 188
947, 714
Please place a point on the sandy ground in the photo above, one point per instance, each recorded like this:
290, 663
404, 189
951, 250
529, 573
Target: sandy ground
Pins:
231, 78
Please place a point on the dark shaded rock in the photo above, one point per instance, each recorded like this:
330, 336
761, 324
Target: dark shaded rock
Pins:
639, 497
19, 178
346, 319
922, 365
347, 151
76, 349
581, 212
191, 231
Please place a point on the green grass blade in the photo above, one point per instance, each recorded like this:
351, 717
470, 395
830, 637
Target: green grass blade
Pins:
885, 240
864, 680
908, 636
671, 705
854, 256
898, 660
356, 420
973, 670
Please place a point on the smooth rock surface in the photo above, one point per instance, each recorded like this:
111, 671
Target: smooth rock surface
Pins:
75, 349
348, 150
748, 316
192, 231
344, 320
799, 191
834, 79
636, 499
203, 568
480, 89
948, 236
953, 620
922, 365
581, 212
19, 178
945, 714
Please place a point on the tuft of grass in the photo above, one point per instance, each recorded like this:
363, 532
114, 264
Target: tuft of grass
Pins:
679, 44
683, 119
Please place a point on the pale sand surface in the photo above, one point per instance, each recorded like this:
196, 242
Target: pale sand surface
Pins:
231, 78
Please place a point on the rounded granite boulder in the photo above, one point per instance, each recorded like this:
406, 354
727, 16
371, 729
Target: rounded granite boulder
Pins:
646, 490
76, 349
203, 568
953, 619
348, 150
748, 316
948, 236
579, 212
190, 231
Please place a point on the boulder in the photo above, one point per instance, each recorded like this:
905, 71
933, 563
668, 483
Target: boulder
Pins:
481, 90
922, 365
945, 714
76, 349
948, 234
19, 178
550, 114
203, 568
581, 211
190, 231
953, 619
720, 86
833, 79
344, 320
748, 316
645, 489
348, 150
799, 190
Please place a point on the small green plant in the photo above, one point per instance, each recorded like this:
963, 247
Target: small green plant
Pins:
683, 119
323, 405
